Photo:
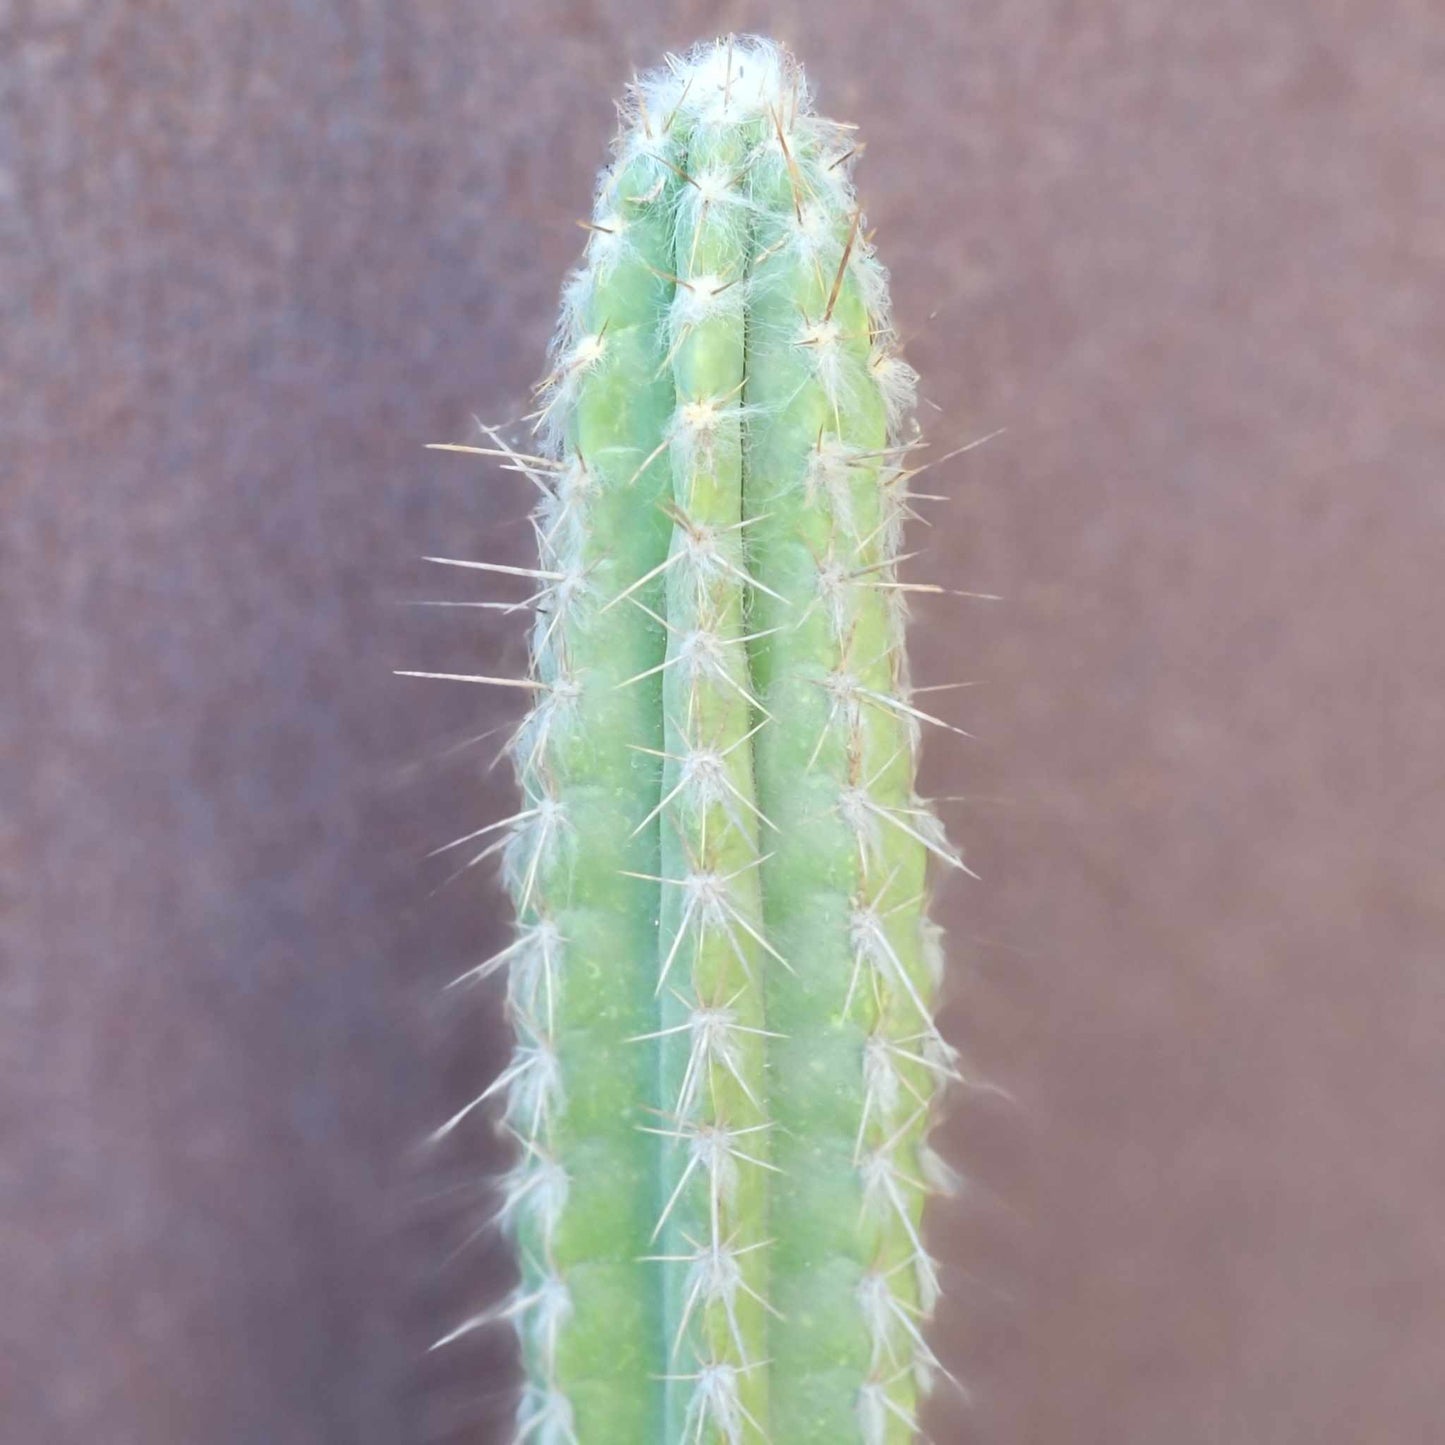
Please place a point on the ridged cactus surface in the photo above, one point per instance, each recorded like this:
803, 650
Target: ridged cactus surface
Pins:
723, 974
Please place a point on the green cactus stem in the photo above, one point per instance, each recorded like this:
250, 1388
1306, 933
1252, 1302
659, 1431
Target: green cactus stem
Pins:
723, 975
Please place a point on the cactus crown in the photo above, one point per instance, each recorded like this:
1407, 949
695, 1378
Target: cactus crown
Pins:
723, 974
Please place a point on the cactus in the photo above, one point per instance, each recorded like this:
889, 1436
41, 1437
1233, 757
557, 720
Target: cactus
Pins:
723, 972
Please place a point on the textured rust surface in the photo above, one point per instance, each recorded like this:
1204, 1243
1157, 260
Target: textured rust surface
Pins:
254, 253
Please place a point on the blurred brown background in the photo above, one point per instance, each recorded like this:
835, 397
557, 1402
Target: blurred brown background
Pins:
254, 253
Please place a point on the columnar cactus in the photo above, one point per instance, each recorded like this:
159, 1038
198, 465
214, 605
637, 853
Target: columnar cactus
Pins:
723, 973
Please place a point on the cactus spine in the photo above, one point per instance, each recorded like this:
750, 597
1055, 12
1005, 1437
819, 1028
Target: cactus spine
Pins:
723, 973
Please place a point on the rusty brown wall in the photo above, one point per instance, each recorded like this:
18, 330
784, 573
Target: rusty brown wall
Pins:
254, 252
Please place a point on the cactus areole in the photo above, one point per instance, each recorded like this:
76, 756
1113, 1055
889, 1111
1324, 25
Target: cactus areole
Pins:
722, 976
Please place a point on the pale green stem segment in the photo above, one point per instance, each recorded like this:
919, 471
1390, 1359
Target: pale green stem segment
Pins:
713, 950
724, 977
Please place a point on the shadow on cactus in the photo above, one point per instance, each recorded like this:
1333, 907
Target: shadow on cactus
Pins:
723, 974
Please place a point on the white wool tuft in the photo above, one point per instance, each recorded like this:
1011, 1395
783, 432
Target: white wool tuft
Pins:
732, 80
